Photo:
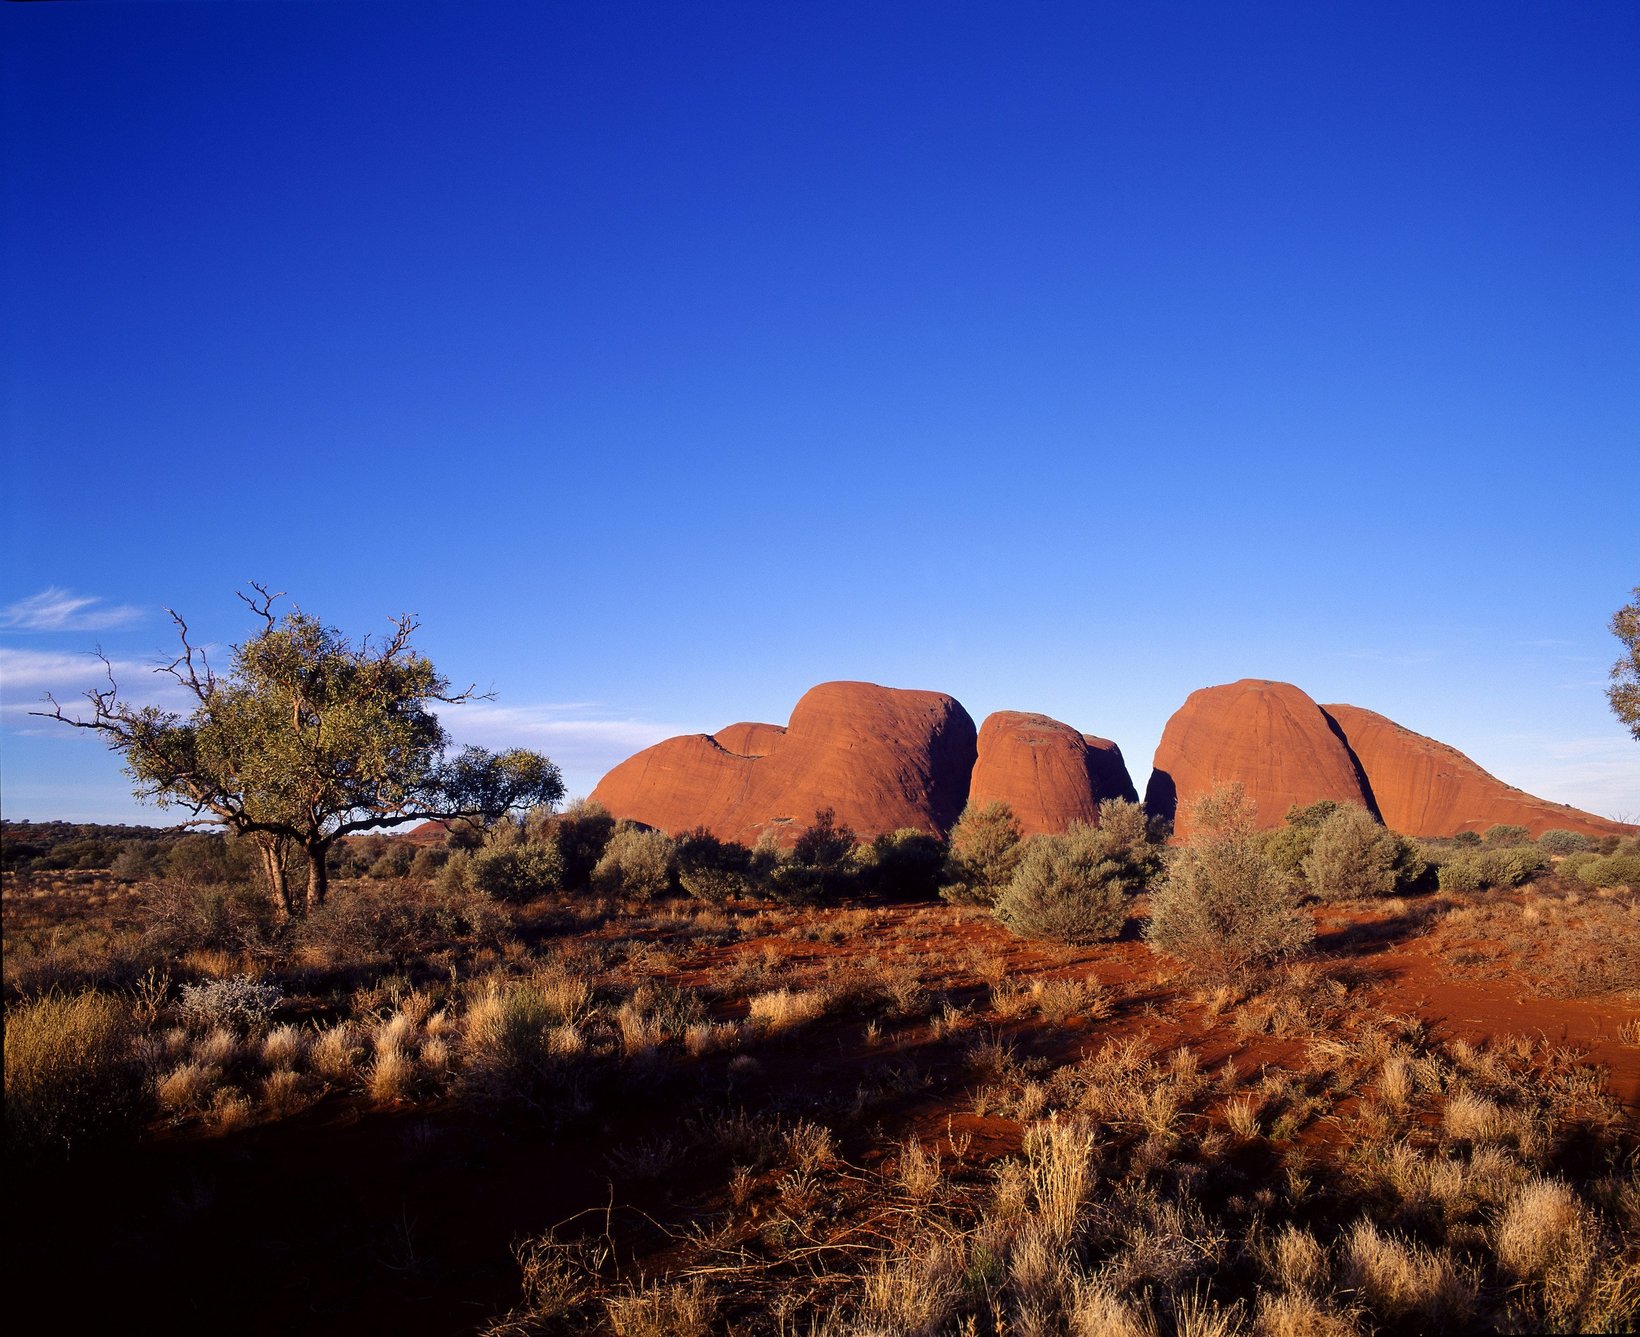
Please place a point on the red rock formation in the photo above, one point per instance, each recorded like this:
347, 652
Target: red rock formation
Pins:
880, 757
1425, 788
1047, 772
750, 740
1268, 735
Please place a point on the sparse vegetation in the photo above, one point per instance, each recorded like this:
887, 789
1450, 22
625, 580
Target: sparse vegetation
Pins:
1223, 907
902, 1116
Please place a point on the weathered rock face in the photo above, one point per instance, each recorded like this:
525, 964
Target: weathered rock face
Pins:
881, 757
1047, 772
1425, 788
1268, 735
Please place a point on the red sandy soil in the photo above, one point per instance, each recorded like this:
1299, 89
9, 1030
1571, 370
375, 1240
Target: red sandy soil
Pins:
350, 1219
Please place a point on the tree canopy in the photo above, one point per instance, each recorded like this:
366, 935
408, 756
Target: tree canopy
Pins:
308, 738
1624, 693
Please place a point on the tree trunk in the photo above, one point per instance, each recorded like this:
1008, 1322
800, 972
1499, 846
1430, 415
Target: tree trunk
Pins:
272, 850
318, 875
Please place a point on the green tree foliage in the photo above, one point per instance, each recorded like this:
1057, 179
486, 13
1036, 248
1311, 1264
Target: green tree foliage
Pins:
1624, 693
984, 853
1502, 833
1223, 907
308, 738
1074, 887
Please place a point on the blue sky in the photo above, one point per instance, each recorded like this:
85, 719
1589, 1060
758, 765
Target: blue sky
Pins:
666, 360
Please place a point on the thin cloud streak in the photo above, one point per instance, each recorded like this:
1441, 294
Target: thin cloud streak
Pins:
57, 609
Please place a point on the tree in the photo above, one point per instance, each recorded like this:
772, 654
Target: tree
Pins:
1624, 693
308, 738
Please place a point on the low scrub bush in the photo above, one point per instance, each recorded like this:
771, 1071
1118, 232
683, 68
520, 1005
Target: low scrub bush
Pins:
178, 918
516, 873
1071, 888
1352, 854
712, 870
1614, 870
72, 1079
397, 921
904, 863
820, 867
579, 834
1223, 907
1504, 833
239, 1003
1556, 840
984, 851
636, 863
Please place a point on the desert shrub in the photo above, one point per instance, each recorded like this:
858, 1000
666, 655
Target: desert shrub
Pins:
580, 834
394, 860
1509, 867
820, 866
1614, 870
177, 918
823, 843
427, 863
984, 852
1459, 876
1222, 906
636, 862
1466, 838
1286, 847
1352, 854
516, 872
139, 861
240, 1003
1557, 840
1503, 833
199, 860
72, 1079
1071, 888
904, 863
397, 921
709, 869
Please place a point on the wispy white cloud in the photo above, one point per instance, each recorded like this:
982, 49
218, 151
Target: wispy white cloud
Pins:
584, 743
27, 675
57, 609
1600, 775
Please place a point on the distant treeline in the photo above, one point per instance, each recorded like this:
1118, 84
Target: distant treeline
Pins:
138, 852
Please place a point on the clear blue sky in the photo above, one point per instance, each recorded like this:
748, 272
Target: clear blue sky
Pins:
668, 359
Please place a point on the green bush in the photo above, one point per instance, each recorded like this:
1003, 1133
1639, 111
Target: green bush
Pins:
1075, 887
1353, 855
1457, 876
580, 833
1510, 867
1557, 840
904, 863
367, 922
1222, 906
177, 918
1614, 870
72, 1080
984, 851
820, 867
1466, 838
711, 870
1505, 834
516, 872
636, 863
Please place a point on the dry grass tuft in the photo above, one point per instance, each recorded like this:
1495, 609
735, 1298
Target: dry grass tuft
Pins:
786, 1009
